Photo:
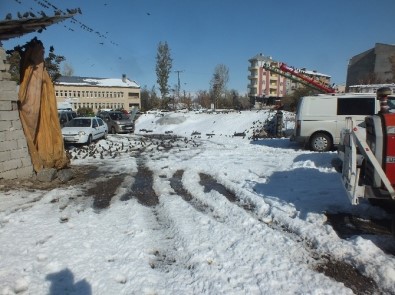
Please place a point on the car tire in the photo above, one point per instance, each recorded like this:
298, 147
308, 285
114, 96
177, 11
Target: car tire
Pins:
105, 135
320, 142
113, 130
89, 139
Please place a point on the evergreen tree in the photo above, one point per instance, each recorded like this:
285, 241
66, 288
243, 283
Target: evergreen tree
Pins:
52, 63
164, 64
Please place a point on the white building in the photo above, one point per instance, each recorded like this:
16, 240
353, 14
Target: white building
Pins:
98, 93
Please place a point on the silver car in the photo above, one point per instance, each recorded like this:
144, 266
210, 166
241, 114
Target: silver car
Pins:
117, 122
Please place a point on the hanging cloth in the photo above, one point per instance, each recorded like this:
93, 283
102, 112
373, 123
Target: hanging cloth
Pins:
38, 111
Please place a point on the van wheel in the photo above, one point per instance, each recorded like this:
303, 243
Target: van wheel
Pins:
320, 142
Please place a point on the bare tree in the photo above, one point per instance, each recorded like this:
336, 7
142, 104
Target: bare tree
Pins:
149, 98
203, 98
218, 83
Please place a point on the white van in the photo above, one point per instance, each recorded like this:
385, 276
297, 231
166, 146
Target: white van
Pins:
320, 118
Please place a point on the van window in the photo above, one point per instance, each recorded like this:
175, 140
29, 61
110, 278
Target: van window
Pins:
356, 106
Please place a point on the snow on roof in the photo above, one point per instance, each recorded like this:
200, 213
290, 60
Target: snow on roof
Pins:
108, 82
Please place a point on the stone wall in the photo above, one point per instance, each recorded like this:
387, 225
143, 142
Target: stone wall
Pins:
15, 161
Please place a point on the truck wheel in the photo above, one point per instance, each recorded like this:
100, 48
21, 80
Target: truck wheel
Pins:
320, 142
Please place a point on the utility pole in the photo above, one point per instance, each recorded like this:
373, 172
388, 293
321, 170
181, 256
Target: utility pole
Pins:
178, 84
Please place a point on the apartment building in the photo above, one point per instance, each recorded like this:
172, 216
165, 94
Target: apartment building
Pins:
265, 84
373, 66
269, 86
98, 93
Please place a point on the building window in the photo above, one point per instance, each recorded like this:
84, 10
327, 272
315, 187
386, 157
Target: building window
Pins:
133, 94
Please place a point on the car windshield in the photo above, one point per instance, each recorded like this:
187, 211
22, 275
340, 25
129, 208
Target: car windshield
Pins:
79, 122
119, 116
116, 116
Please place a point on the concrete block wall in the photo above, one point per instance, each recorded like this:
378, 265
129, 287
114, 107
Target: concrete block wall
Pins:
15, 161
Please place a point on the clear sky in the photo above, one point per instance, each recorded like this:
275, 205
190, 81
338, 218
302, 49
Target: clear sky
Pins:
201, 34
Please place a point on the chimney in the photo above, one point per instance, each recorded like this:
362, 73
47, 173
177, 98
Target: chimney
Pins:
124, 78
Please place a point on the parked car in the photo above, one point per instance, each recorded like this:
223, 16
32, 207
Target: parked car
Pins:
66, 116
117, 122
84, 130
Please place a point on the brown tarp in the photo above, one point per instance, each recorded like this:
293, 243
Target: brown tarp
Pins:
38, 111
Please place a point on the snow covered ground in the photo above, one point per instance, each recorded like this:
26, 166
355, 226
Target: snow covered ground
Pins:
228, 215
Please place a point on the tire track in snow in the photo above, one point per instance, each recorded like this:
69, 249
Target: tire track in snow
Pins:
352, 278
236, 217
177, 186
209, 207
142, 187
164, 255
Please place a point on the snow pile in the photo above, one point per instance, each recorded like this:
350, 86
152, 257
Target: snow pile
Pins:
219, 124
234, 216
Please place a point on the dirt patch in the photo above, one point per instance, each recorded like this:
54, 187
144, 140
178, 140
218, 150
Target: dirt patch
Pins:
347, 225
103, 191
349, 276
81, 174
210, 183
